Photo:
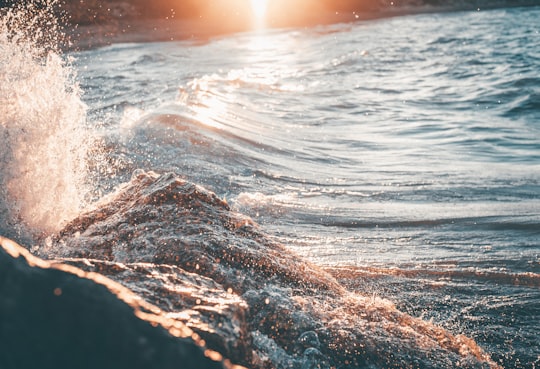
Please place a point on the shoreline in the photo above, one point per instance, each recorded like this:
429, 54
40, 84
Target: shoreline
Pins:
89, 36
132, 28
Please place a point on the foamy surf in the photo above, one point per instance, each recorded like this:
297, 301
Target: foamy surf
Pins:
45, 146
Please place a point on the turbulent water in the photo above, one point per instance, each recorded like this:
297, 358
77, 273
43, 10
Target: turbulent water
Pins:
401, 154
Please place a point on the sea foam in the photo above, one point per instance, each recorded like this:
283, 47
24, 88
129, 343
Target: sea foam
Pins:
44, 145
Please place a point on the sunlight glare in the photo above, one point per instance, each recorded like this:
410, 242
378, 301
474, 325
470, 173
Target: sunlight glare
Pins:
259, 8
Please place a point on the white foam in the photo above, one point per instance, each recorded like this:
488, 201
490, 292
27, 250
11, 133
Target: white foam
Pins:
44, 145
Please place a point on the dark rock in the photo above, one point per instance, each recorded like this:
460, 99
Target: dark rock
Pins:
217, 316
61, 317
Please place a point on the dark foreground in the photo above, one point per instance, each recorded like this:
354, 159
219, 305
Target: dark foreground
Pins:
57, 316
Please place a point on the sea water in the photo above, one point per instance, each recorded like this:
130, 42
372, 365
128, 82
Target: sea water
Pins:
401, 154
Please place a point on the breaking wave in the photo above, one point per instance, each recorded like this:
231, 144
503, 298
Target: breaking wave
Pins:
43, 161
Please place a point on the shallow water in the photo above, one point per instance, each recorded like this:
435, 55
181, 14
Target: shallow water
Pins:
403, 154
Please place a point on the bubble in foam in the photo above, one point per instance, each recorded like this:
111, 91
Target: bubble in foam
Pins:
44, 144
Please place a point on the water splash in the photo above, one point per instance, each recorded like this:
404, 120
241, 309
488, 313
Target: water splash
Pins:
44, 145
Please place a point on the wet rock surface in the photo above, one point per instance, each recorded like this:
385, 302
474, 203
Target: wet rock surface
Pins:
217, 316
61, 317
181, 248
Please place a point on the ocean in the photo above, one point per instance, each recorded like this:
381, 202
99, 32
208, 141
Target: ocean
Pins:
401, 155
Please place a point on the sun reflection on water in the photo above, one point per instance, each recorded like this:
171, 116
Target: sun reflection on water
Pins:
228, 99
